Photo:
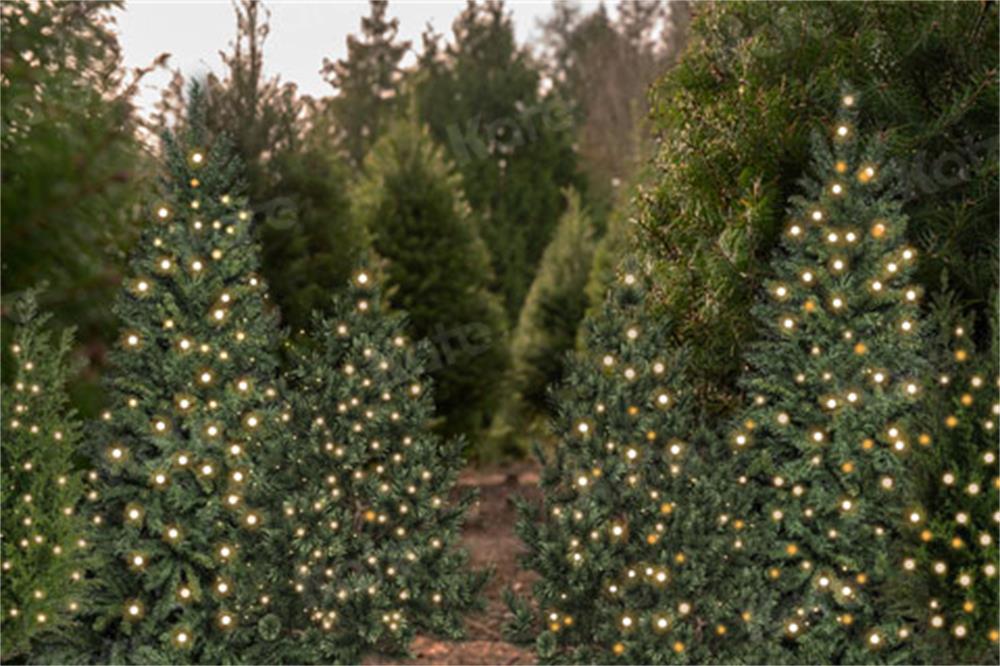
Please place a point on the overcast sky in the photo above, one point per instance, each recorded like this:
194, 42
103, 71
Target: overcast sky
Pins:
302, 33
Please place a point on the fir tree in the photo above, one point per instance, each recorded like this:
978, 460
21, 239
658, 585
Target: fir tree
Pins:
438, 267
950, 566
833, 381
187, 450
45, 551
367, 81
373, 529
547, 328
632, 531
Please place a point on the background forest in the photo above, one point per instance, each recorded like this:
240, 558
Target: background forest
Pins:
516, 174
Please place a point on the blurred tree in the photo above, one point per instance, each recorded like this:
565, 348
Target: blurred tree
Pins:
481, 96
409, 199
71, 162
367, 81
603, 68
734, 118
546, 331
297, 177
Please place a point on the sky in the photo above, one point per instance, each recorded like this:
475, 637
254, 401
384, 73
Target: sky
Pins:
303, 32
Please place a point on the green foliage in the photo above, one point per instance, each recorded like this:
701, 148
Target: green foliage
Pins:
949, 570
71, 161
834, 381
367, 82
547, 329
632, 532
44, 562
513, 147
374, 534
187, 450
296, 175
734, 117
410, 202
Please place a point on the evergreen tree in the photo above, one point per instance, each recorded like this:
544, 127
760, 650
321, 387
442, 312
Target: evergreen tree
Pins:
297, 176
547, 328
438, 267
734, 118
632, 530
950, 567
187, 450
367, 81
375, 532
481, 98
834, 381
45, 552
71, 162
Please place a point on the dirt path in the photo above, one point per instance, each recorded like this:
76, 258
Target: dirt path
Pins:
489, 537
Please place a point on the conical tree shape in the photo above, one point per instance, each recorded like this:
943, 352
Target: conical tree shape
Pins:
411, 202
547, 329
630, 526
836, 374
45, 551
373, 529
183, 445
950, 569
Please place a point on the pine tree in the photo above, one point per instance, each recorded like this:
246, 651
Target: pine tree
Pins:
833, 381
187, 450
632, 531
410, 201
950, 568
367, 81
374, 531
734, 117
547, 328
45, 552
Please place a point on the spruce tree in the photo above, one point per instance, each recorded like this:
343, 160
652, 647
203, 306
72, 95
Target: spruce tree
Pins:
950, 566
547, 328
833, 381
187, 450
632, 533
46, 556
410, 201
372, 525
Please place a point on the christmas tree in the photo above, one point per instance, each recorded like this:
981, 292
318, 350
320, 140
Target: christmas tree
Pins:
632, 532
187, 448
373, 527
951, 564
833, 379
45, 552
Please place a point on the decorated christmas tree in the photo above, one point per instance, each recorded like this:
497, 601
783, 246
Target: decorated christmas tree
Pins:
373, 524
45, 551
632, 534
188, 449
837, 372
950, 566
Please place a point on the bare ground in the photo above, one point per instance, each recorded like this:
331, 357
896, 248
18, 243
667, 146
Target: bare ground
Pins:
491, 542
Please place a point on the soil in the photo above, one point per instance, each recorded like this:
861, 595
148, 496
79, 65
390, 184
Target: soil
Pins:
490, 539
